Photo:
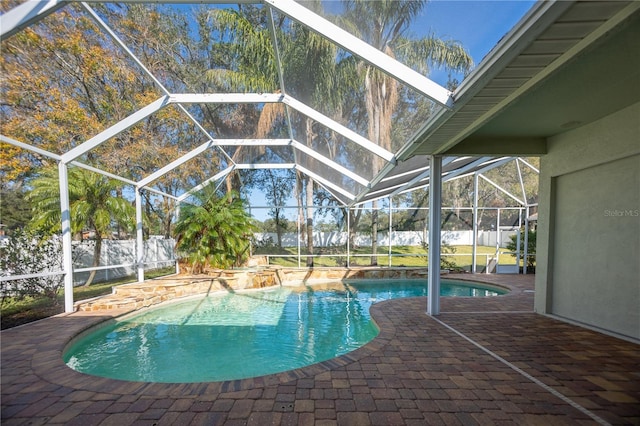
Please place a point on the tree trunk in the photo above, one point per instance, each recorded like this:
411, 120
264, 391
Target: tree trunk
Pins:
278, 228
299, 203
309, 221
309, 195
374, 233
96, 260
354, 220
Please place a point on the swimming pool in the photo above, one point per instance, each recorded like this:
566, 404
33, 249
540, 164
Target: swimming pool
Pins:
244, 334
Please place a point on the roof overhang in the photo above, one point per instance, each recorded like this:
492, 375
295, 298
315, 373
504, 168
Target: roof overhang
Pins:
564, 65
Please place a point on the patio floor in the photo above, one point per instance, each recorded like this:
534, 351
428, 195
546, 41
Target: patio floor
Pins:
482, 361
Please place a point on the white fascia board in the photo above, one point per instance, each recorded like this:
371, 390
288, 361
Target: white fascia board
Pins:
119, 127
197, 188
26, 14
167, 168
338, 128
310, 152
225, 98
31, 148
353, 44
543, 15
331, 187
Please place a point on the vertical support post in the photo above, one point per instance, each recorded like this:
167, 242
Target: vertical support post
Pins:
298, 236
139, 237
390, 229
518, 239
474, 248
497, 239
435, 212
175, 255
348, 236
107, 261
67, 258
526, 242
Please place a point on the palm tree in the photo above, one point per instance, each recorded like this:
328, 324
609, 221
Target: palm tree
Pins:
383, 24
304, 51
215, 231
93, 203
255, 70
250, 66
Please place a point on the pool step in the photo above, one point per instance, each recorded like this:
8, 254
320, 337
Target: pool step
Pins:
141, 295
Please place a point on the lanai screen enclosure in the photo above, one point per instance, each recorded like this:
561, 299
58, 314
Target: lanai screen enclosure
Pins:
309, 95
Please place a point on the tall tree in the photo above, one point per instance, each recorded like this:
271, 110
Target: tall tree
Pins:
322, 88
61, 85
384, 24
277, 188
15, 211
249, 66
65, 80
94, 206
254, 69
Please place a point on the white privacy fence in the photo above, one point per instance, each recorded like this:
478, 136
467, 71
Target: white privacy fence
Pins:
119, 258
398, 238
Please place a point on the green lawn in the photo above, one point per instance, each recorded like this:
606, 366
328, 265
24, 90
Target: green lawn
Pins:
401, 256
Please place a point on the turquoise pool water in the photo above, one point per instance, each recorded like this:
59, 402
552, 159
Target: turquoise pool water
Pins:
245, 334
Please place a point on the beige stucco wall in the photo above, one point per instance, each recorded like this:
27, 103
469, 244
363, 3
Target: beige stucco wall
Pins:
588, 264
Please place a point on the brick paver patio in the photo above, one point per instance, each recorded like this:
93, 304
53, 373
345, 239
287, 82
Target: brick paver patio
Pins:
482, 361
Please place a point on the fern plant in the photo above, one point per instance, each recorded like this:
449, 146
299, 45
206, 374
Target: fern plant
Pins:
215, 231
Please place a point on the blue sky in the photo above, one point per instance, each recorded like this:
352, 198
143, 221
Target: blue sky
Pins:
477, 24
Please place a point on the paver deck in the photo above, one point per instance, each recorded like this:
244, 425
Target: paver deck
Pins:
482, 361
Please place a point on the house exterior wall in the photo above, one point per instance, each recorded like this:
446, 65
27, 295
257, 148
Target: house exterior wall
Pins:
588, 254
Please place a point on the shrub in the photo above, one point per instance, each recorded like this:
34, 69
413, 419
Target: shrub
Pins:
216, 231
24, 254
445, 263
531, 247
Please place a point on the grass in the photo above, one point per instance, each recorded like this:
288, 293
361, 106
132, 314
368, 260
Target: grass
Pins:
17, 311
401, 256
